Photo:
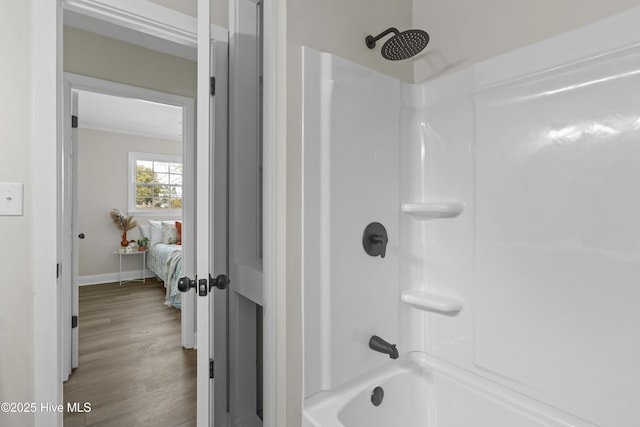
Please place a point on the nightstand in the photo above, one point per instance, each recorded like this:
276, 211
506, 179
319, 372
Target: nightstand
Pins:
123, 253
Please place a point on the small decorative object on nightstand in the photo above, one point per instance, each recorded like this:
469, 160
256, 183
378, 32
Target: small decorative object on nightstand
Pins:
143, 244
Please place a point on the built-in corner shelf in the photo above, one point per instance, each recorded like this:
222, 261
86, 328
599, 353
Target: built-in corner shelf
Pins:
433, 210
424, 300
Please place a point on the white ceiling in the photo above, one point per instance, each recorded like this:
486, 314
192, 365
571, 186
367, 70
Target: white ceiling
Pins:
131, 116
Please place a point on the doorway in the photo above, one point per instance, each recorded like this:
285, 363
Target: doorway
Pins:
47, 317
98, 148
128, 156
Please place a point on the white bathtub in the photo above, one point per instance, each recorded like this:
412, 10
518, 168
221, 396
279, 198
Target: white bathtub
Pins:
423, 392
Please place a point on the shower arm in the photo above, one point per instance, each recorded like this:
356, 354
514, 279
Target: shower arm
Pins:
371, 41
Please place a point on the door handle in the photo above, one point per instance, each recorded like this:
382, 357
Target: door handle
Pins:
185, 283
221, 281
81, 235
204, 286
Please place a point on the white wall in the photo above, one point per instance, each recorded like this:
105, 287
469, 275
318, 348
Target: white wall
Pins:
330, 26
463, 33
350, 180
16, 306
541, 147
538, 146
466, 32
102, 186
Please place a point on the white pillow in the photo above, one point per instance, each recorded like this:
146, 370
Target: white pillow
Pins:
145, 230
155, 236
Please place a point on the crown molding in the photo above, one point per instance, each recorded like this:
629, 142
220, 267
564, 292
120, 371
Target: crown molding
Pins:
140, 22
142, 16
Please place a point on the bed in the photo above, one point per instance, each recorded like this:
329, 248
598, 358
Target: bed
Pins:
164, 256
165, 260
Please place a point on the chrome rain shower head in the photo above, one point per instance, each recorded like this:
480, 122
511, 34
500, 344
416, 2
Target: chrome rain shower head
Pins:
402, 45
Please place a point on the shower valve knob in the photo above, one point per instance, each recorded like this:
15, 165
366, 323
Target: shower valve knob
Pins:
375, 239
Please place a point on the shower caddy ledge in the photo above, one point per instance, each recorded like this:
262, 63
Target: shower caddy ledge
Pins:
424, 300
425, 211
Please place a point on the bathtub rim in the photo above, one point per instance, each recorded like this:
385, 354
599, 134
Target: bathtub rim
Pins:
323, 408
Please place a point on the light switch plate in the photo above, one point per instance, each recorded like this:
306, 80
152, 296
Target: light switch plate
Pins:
11, 197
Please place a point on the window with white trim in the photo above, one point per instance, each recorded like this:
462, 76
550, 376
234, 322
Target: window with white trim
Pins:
155, 184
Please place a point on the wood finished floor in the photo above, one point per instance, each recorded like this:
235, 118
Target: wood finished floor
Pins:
133, 369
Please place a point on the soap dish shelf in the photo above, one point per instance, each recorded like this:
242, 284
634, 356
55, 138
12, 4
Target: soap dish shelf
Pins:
425, 211
427, 301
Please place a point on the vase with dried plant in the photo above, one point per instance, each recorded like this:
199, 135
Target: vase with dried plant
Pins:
124, 223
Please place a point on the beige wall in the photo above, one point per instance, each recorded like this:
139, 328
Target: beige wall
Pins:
103, 169
465, 32
16, 263
340, 27
104, 58
100, 57
189, 7
219, 9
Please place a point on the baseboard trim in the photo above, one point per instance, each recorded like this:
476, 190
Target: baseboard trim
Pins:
97, 279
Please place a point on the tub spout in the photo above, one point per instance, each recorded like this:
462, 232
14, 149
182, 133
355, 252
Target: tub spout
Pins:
378, 344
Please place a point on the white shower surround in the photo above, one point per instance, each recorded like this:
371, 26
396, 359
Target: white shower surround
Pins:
527, 163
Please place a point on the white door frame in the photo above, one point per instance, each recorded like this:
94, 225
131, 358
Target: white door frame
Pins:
46, 90
71, 226
204, 393
274, 260
47, 83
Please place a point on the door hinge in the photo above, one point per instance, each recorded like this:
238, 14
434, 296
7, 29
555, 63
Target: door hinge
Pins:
213, 86
74, 121
210, 368
74, 322
58, 270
